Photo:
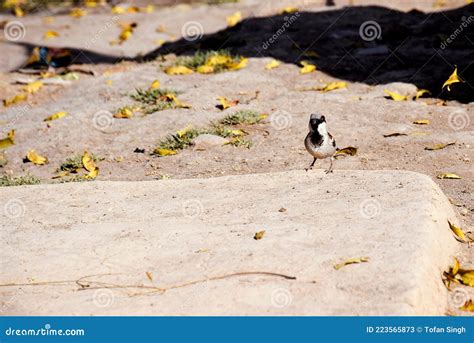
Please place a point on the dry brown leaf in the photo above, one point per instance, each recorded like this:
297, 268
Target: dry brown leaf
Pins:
33, 157
351, 261
8, 141
448, 176
395, 134
439, 146
422, 122
259, 235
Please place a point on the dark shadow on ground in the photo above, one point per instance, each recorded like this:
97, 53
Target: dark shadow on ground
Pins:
409, 47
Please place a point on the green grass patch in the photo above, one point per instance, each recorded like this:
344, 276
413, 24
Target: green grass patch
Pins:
7, 181
248, 117
201, 58
154, 100
72, 164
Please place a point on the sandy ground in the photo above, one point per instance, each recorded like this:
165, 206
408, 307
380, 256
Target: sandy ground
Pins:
359, 115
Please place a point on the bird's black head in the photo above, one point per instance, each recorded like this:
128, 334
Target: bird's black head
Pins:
315, 120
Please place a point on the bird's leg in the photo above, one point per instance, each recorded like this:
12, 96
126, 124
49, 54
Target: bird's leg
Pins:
312, 164
330, 166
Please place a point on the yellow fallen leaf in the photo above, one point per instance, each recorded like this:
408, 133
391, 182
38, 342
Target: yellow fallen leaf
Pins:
237, 132
155, 85
182, 132
218, 60
332, 86
468, 306
205, 69
61, 174
32, 156
148, 9
119, 159
351, 261
448, 176
350, 150
55, 116
395, 96
467, 277
455, 268
165, 152
33, 87
93, 3
92, 174
149, 276
118, 10
307, 67
8, 141
422, 122
180, 104
18, 12
272, 64
421, 92
88, 162
237, 65
16, 99
50, 34
224, 103
259, 235
452, 79
234, 19
77, 12
123, 113
288, 10
439, 146
109, 82
178, 70
460, 236
133, 9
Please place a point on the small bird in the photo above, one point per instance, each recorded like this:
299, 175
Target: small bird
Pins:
319, 142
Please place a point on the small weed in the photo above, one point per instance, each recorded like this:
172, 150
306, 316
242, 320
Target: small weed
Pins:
74, 163
179, 141
242, 117
6, 181
154, 100
201, 58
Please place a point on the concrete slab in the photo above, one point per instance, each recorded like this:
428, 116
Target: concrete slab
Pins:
86, 248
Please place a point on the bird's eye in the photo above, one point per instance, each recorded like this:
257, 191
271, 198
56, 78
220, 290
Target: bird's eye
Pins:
323, 118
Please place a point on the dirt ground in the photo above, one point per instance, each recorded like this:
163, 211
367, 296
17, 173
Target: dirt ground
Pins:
402, 60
